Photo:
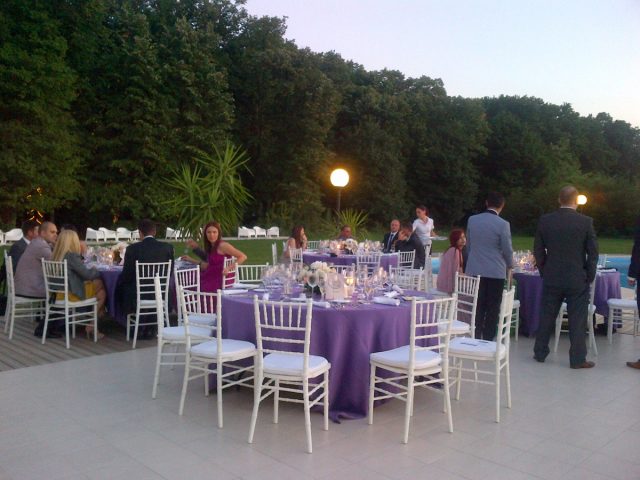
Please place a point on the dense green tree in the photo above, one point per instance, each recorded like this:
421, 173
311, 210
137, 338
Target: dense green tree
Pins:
39, 161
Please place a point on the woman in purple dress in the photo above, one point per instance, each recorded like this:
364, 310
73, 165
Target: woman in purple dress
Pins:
212, 271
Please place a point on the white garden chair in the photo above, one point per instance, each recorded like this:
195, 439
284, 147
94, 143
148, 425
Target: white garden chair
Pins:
591, 310
81, 312
313, 244
123, 234
18, 307
466, 290
171, 234
260, 232
230, 278
92, 235
621, 311
424, 362
406, 259
135, 235
13, 235
221, 352
244, 232
172, 336
145, 295
273, 232
411, 278
108, 235
371, 260
478, 351
295, 258
284, 363
189, 280
251, 274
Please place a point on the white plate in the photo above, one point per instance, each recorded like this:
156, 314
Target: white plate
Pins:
344, 300
298, 299
247, 286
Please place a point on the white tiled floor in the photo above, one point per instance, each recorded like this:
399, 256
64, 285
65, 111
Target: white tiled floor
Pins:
93, 418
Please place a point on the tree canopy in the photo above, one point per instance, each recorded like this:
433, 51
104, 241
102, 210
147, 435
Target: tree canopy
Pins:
104, 102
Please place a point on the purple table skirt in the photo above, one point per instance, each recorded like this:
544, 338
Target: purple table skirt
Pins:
530, 296
345, 337
387, 260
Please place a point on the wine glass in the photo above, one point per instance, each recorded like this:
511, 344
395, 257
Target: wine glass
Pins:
321, 284
369, 288
312, 281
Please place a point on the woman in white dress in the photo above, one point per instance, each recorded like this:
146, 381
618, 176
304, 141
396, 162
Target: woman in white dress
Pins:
423, 227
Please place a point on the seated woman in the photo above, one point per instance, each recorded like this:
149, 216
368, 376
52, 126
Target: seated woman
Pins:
211, 259
83, 282
408, 241
451, 262
297, 240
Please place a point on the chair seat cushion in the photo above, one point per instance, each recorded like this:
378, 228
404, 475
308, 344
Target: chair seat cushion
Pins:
622, 303
230, 349
399, 357
82, 303
283, 364
458, 327
203, 319
463, 346
177, 333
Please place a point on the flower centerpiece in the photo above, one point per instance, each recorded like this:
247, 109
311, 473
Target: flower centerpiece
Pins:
312, 274
117, 252
350, 246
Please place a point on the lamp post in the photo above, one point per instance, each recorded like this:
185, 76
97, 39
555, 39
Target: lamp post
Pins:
339, 179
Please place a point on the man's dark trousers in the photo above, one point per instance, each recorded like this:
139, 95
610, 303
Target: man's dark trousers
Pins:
488, 307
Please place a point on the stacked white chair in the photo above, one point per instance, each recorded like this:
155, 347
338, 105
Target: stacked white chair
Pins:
172, 336
273, 232
621, 311
13, 235
284, 363
18, 307
145, 295
94, 235
411, 278
591, 310
371, 260
274, 253
478, 351
108, 235
416, 365
406, 259
244, 232
260, 232
74, 312
171, 234
123, 234
189, 280
251, 274
221, 352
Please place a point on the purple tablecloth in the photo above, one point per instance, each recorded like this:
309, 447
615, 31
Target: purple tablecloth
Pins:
530, 296
387, 260
345, 337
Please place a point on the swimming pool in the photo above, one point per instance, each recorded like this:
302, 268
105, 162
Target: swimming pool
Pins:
620, 263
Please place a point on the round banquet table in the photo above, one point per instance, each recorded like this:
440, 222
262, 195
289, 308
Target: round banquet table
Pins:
344, 336
530, 296
110, 277
386, 260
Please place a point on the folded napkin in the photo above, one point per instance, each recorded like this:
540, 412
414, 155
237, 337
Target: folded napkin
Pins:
396, 288
234, 291
321, 304
386, 301
607, 270
393, 294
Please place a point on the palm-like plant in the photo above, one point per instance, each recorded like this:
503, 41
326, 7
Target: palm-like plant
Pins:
356, 219
211, 189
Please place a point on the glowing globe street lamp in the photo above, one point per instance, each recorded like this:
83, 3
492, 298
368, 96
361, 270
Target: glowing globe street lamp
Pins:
339, 179
582, 199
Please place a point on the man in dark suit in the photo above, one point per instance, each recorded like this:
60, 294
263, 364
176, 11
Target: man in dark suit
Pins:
566, 252
491, 257
391, 236
634, 274
148, 250
408, 241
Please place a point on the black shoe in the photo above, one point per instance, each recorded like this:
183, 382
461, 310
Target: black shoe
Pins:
538, 359
585, 364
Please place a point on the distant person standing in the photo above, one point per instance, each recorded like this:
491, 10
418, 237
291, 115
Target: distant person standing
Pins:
634, 274
566, 252
423, 227
491, 257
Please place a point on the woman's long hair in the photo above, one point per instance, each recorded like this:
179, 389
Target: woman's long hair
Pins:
296, 234
67, 241
208, 246
454, 236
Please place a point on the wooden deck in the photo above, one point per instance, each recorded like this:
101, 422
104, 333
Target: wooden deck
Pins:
25, 350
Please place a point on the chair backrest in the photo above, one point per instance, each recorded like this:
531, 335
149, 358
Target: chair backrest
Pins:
123, 233
466, 288
431, 322
371, 260
313, 244
250, 273
602, 260
295, 257
188, 279
145, 274
428, 273
283, 327
11, 288
210, 303
229, 279
55, 278
405, 259
274, 253
504, 322
411, 278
